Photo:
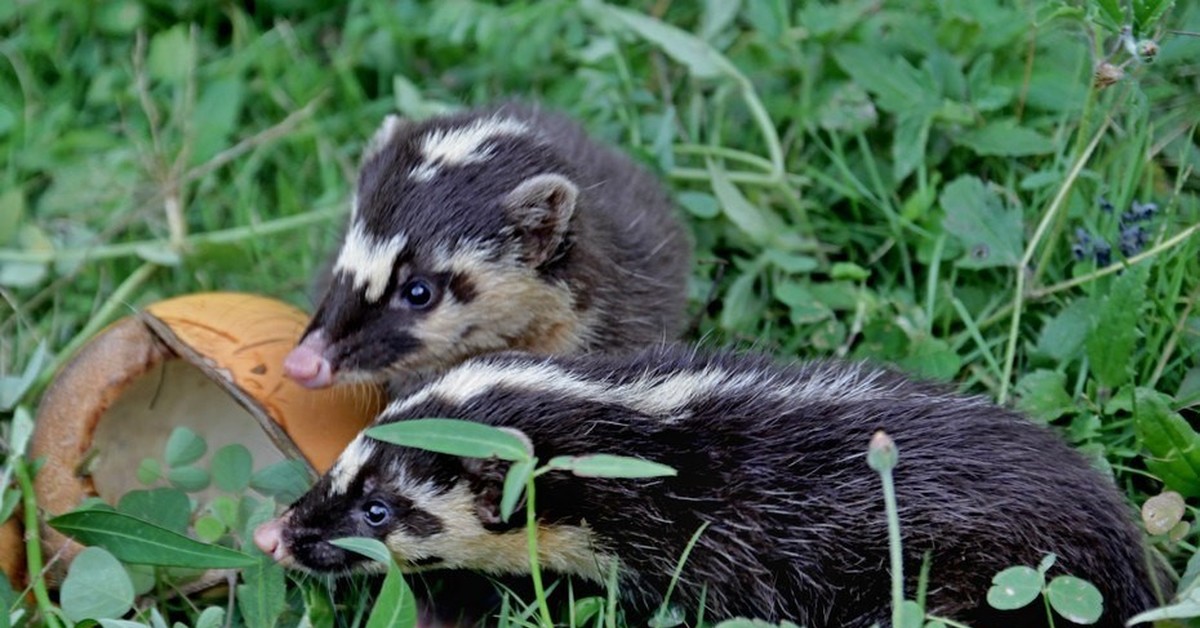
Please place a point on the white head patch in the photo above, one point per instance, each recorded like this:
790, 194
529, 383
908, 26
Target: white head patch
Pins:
349, 463
369, 260
462, 145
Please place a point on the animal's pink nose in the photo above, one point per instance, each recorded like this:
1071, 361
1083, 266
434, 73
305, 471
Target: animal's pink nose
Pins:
307, 365
269, 538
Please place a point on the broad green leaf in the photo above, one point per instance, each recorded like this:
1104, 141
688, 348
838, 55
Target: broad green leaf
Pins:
262, 596
120, 623
371, 548
1005, 138
1186, 608
188, 478
184, 447
1014, 588
285, 480
990, 232
209, 529
514, 484
1173, 446
215, 117
1112, 13
172, 54
739, 307
895, 82
754, 221
13, 388
133, 540
700, 204
20, 431
931, 357
231, 467
211, 617
395, 605
167, 507
1042, 394
583, 610
1114, 336
793, 262
717, 16
1146, 14
847, 109
454, 437
908, 144
1063, 336
1075, 599
96, 587
701, 59
149, 471
848, 271
120, 17
610, 466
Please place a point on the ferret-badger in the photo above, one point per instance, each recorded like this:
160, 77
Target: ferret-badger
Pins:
494, 229
772, 457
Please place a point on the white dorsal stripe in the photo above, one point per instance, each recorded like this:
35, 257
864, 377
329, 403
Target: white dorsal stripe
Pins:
653, 394
462, 144
369, 260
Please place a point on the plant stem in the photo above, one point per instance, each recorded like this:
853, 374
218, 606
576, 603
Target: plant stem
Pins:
894, 548
33, 545
1010, 353
535, 569
126, 249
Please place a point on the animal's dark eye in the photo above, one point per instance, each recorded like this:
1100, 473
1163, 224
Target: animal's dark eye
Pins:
376, 513
417, 293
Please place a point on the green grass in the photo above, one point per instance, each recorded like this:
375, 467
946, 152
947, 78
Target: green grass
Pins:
884, 180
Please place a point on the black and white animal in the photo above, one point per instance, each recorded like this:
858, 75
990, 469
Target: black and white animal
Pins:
501, 228
771, 457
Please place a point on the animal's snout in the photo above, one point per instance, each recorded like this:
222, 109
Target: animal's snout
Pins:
269, 538
307, 364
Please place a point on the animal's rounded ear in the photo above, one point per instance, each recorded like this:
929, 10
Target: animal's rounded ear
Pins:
541, 208
391, 124
485, 477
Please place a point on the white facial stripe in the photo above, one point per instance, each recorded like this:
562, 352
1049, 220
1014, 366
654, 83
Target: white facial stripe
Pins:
369, 260
462, 145
349, 464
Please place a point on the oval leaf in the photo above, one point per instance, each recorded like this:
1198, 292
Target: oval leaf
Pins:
231, 467
1014, 588
395, 606
454, 437
1173, 446
184, 447
371, 548
133, 540
514, 484
609, 466
1075, 599
1162, 512
96, 587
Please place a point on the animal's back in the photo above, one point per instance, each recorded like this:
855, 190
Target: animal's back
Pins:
773, 459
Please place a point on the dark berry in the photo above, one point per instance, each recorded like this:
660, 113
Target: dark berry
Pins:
1103, 253
1106, 206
